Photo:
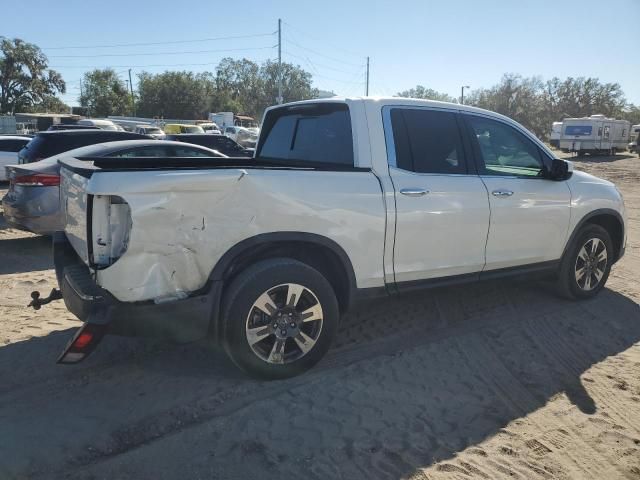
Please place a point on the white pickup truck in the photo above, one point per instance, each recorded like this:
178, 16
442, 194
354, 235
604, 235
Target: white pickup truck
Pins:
345, 199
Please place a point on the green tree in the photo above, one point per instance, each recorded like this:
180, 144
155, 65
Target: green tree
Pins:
296, 84
104, 93
181, 95
49, 104
427, 94
25, 79
537, 104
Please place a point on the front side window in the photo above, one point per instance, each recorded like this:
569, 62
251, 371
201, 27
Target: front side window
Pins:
427, 141
503, 150
319, 133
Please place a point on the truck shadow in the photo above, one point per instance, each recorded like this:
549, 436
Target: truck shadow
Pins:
25, 254
410, 382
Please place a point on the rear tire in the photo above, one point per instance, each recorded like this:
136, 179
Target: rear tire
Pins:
585, 266
279, 317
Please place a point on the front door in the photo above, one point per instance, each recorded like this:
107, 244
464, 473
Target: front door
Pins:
529, 214
442, 209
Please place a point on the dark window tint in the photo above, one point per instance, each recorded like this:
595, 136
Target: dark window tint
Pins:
427, 141
503, 150
191, 152
48, 144
578, 130
12, 145
155, 151
309, 133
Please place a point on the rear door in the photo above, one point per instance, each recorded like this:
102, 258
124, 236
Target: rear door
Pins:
442, 210
529, 214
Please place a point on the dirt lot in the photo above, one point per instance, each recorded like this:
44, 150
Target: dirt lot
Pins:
496, 380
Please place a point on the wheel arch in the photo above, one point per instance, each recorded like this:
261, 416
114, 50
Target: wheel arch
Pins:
607, 218
317, 251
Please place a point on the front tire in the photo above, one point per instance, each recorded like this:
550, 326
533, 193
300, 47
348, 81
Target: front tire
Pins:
586, 265
279, 318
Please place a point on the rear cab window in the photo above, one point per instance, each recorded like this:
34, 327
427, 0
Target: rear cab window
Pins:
427, 141
312, 133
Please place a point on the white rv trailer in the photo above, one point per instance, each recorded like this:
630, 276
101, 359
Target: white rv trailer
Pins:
556, 132
594, 134
635, 139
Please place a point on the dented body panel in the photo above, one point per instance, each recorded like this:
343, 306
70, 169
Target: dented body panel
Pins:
182, 222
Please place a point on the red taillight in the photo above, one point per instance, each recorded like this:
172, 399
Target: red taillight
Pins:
82, 343
37, 180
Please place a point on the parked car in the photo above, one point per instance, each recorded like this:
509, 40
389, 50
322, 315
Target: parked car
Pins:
218, 142
71, 126
211, 128
32, 202
242, 136
176, 128
633, 146
155, 132
101, 124
10, 145
46, 144
345, 199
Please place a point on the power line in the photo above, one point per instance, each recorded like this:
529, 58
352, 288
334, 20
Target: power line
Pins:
232, 37
322, 54
324, 40
160, 53
320, 64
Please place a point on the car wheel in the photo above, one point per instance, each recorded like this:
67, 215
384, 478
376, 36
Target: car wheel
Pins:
279, 318
585, 266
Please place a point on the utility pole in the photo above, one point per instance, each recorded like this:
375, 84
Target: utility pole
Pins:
279, 61
462, 94
366, 92
81, 88
133, 100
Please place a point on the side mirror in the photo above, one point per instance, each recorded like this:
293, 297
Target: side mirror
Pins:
560, 169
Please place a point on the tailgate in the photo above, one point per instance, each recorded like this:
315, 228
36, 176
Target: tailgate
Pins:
73, 201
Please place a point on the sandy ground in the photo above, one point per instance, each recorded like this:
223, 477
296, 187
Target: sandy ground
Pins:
495, 380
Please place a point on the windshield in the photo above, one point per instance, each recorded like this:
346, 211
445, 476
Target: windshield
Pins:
152, 130
191, 129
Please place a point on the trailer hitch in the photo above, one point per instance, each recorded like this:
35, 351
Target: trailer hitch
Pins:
37, 302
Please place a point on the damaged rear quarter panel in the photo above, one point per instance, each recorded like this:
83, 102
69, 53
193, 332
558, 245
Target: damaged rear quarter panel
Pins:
184, 221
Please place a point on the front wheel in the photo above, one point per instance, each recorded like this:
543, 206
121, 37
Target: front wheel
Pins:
279, 318
586, 264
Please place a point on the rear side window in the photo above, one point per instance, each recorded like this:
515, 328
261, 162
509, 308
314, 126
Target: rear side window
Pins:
12, 145
314, 133
427, 141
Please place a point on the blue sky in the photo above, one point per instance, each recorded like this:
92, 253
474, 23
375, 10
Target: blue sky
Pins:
439, 44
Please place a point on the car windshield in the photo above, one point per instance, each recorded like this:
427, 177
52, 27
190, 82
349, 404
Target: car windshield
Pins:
152, 130
192, 129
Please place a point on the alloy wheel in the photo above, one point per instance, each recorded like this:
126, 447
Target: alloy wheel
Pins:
284, 323
591, 264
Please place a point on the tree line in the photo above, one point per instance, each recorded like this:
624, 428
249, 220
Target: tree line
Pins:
27, 84
536, 104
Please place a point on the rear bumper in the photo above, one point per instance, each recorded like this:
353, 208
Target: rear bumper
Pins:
183, 320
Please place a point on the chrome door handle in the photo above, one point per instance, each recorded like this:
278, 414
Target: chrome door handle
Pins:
414, 192
502, 193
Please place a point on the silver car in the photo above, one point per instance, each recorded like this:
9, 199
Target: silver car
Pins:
32, 202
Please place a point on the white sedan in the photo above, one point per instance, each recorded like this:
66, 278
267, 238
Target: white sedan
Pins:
10, 145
